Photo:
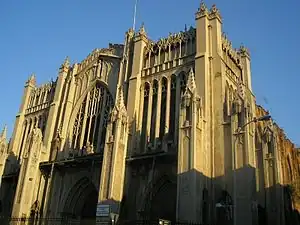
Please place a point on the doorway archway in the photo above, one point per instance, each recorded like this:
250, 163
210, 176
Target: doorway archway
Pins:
82, 200
160, 202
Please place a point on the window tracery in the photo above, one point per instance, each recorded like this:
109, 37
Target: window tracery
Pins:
183, 79
91, 120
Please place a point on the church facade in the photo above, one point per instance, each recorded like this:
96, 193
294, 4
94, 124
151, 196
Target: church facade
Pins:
154, 130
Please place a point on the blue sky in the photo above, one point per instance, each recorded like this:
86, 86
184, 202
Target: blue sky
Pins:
36, 36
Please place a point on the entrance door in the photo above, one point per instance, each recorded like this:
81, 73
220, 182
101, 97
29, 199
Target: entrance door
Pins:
82, 201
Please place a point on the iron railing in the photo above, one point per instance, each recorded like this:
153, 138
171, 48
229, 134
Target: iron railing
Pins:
70, 221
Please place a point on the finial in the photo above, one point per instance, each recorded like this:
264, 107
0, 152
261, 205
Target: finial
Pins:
214, 12
142, 30
243, 51
191, 84
31, 80
66, 64
130, 32
202, 11
185, 28
4, 132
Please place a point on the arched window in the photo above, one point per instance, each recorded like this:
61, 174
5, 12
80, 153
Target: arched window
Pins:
183, 78
164, 84
172, 107
91, 120
145, 113
154, 111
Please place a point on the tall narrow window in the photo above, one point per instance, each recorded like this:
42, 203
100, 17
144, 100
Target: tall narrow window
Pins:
163, 107
270, 146
182, 78
172, 107
154, 110
145, 112
91, 120
107, 109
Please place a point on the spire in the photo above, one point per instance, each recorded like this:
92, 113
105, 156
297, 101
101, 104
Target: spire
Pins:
4, 132
191, 84
31, 80
134, 15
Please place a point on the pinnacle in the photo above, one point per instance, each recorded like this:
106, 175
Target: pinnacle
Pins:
120, 100
31, 79
142, 29
191, 81
67, 62
4, 132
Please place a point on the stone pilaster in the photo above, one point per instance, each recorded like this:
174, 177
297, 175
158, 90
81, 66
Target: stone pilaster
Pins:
190, 176
17, 135
113, 167
54, 106
29, 173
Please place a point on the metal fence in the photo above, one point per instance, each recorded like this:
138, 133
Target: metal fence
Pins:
70, 221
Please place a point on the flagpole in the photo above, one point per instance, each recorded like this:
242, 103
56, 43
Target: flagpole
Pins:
134, 16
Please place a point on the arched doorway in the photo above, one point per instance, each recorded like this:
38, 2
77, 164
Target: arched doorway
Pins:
160, 202
81, 202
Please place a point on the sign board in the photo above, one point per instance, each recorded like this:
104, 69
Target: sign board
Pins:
102, 210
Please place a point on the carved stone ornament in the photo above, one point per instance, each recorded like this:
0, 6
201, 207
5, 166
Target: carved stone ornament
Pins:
243, 51
31, 80
119, 111
268, 135
202, 11
186, 100
65, 66
130, 33
3, 149
89, 148
142, 30
191, 84
214, 12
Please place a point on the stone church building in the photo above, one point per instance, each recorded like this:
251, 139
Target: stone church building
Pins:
152, 129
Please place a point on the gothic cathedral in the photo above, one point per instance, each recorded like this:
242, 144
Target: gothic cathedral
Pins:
149, 128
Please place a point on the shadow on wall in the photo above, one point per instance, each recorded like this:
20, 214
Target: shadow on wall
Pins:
8, 184
205, 199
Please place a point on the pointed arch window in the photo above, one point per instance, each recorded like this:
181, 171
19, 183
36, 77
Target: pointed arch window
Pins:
182, 78
91, 120
145, 113
153, 111
172, 106
164, 85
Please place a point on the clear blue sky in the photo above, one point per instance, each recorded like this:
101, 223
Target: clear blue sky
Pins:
36, 36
